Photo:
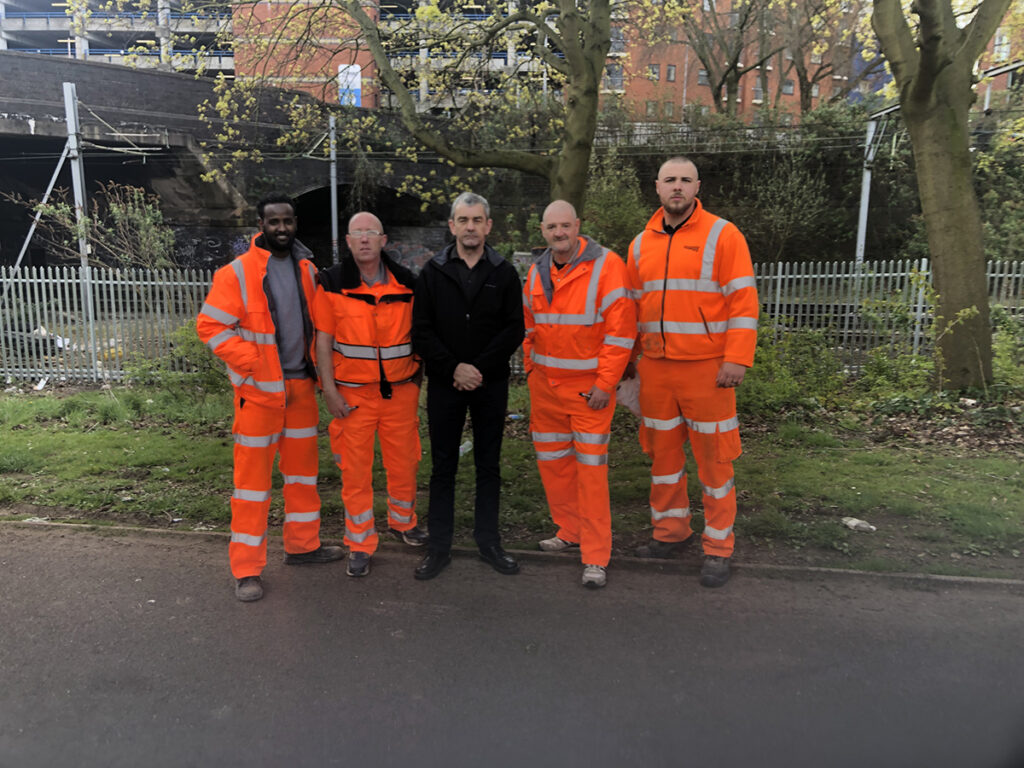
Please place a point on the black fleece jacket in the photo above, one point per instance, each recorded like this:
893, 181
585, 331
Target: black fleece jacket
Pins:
450, 326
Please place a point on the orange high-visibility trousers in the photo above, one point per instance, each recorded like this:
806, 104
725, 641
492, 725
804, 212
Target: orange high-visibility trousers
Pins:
261, 433
571, 441
679, 402
396, 424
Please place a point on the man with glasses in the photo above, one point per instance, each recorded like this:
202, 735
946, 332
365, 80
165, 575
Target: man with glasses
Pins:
370, 380
467, 322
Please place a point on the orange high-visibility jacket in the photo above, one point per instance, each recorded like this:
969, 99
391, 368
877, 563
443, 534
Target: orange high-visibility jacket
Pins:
581, 320
695, 290
371, 326
237, 322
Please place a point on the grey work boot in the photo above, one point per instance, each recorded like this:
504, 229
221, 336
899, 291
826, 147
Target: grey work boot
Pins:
322, 554
662, 549
249, 589
715, 571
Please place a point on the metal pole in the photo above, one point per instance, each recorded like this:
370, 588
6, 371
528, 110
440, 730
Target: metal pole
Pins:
78, 185
865, 192
334, 191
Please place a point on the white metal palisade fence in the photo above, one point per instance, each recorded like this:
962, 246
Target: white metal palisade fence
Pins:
45, 329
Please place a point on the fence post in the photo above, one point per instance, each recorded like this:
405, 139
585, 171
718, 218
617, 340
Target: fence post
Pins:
919, 308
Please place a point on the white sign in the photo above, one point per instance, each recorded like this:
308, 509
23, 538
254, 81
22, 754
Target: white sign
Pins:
350, 80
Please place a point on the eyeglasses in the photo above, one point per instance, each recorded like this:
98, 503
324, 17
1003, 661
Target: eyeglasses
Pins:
365, 233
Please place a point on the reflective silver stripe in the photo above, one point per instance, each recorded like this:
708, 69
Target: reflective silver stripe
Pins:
636, 249
296, 433
740, 282
256, 441
682, 284
529, 331
264, 386
392, 353
749, 323
722, 491
312, 273
590, 308
359, 537
357, 352
619, 341
554, 455
677, 512
245, 495
218, 314
550, 437
301, 517
707, 265
399, 503
593, 460
662, 424
247, 539
592, 438
236, 265
611, 297
711, 427
397, 516
589, 364
362, 517
683, 328
259, 338
668, 479
716, 533
220, 338
526, 301
352, 383
555, 318
635, 294
299, 479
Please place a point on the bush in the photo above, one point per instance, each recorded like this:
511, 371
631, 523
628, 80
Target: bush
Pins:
190, 363
1007, 348
799, 371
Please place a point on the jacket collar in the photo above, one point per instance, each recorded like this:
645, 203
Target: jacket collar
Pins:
299, 251
345, 275
448, 254
591, 252
657, 221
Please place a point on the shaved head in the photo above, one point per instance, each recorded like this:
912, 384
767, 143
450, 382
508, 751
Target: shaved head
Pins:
560, 208
561, 228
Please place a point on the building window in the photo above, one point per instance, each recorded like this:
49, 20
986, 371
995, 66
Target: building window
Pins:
652, 109
654, 71
815, 91
670, 72
702, 77
707, 5
613, 76
758, 93
787, 87
669, 109
618, 41
815, 58
1001, 46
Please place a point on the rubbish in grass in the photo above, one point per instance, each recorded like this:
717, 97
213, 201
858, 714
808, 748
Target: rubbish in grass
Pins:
858, 525
515, 416
42, 383
465, 448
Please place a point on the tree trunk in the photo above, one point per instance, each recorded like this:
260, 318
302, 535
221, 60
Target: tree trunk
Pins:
940, 136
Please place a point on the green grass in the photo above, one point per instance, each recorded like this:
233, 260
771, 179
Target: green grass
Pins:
149, 455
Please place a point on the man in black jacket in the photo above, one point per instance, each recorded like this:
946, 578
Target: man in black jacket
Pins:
467, 322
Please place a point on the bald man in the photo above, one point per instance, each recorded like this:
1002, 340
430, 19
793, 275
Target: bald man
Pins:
370, 380
580, 330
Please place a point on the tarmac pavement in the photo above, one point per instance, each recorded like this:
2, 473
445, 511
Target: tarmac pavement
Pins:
129, 649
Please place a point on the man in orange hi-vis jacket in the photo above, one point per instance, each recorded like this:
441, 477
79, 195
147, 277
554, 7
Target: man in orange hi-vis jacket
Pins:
370, 380
692, 277
580, 332
256, 319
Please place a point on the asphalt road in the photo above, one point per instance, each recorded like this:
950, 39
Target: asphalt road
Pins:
130, 650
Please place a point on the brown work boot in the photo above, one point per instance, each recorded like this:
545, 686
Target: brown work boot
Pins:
249, 589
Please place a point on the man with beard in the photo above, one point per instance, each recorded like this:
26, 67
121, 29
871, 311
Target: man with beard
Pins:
256, 319
467, 322
692, 277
